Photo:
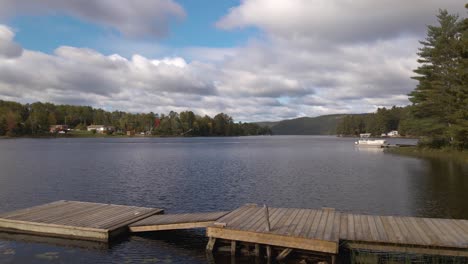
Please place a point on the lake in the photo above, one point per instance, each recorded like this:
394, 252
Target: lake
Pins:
207, 174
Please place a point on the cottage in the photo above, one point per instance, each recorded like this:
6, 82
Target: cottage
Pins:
101, 128
58, 128
393, 133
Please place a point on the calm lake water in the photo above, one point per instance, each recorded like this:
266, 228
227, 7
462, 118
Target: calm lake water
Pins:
206, 174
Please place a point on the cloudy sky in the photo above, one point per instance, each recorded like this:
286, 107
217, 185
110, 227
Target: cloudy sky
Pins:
252, 59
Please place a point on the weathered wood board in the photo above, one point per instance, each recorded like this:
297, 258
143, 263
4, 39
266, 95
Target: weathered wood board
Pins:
176, 221
72, 219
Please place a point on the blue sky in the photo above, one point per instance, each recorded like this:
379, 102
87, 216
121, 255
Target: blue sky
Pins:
47, 32
255, 60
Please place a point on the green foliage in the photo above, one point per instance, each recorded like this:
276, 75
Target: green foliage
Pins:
382, 121
440, 100
3, 127
35, 119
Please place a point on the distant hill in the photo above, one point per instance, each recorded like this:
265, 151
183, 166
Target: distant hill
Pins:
321, 125
267, 124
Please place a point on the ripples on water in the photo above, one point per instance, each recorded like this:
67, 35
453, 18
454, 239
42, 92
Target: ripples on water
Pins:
206, 174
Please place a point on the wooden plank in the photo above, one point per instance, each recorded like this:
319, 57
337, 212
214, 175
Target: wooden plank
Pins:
427, 231
290, 217
441, 238
459, 231
177, 226
75, 214
380, 229
329, 226
211, 243
416, 227
343, 226
367, 236
302, 222
310, 219
396, 230
407, 238
413, 233
286, 213
319, 233
351, 229
260, 224
259, 215
52, 229
181, 219
273, 240
335, 234
294, 224
235, 213
315, 222
239, 218
391, 234
373, 228
281, 256
32, 210
358, 228
450, 230
450, 240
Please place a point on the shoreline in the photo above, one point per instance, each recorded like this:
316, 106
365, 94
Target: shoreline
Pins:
447, 154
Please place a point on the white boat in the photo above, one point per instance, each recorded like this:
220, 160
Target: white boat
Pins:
365, 141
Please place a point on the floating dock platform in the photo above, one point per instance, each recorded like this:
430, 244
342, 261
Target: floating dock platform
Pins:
72, 219
282, 230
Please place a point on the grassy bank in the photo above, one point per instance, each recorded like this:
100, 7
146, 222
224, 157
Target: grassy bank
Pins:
459, 156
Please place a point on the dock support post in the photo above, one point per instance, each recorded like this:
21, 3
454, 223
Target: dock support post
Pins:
210, 258
257, 250
233, 247
267, 217
210, 245
333, 259
268, 251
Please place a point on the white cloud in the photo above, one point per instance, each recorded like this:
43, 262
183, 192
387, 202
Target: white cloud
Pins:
336, 20
136, 18
8, 48
304, 63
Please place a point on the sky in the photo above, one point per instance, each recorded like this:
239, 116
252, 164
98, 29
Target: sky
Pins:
256, 60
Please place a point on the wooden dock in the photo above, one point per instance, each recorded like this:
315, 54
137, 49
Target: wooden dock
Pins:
72, 219
325, 230
405, 234
176, 221
304, 229
284, 230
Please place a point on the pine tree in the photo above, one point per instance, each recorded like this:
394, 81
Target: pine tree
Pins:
439, 99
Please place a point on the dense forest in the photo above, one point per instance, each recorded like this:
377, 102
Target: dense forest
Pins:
439, 110
35, 119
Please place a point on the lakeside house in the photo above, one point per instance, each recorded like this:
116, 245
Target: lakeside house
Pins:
100, 128
393, 133
58, 128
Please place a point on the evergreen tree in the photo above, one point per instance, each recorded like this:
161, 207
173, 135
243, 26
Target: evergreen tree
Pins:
439, 100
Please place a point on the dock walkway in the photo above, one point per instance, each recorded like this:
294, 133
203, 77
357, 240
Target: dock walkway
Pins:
322, 231
176, 221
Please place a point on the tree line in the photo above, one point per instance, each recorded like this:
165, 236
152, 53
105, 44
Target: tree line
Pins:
35, 119
439, 110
